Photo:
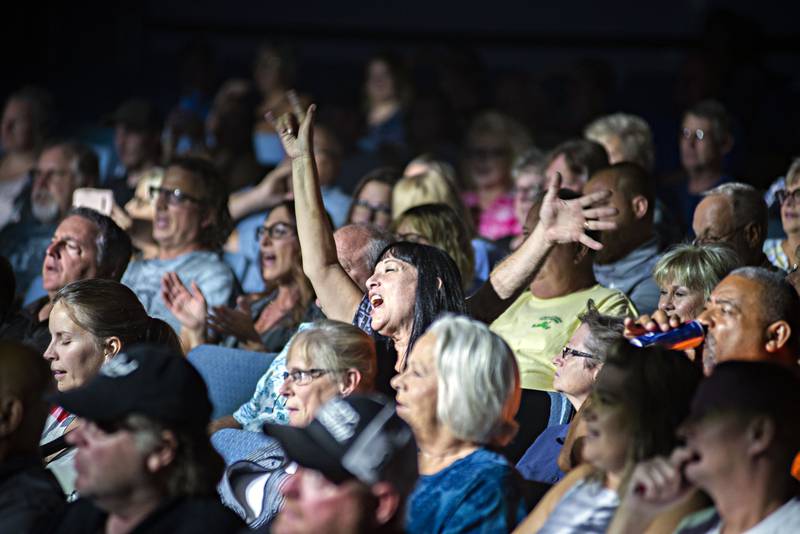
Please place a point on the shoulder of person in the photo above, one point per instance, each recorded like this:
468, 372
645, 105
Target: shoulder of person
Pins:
545, 507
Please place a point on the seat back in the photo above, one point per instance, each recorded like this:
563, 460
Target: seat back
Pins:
230, 374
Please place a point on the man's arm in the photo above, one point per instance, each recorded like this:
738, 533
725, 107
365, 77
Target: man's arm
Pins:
270, 192
560, 221
338, 295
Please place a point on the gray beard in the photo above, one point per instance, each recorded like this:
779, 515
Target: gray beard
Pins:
45, 208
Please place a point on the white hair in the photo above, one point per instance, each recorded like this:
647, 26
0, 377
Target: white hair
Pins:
633, 132
478, 384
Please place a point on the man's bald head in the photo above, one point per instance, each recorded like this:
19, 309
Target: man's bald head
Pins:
24, 380
357, 247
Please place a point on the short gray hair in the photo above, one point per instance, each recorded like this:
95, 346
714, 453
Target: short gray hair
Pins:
779, 300
604, 332
379, 239
338, 346
478, 384
748, 203
698, 267
634, 134
84, 162
531, 159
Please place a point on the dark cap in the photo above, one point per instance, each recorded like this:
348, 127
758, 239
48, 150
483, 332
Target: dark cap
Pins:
355, 437
749, 387
137, 114
147, 379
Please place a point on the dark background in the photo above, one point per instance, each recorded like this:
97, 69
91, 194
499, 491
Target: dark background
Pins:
553, 65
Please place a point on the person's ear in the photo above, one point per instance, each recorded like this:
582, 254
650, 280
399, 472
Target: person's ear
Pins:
778, 334
596, 371
753, 235
388, 502
164, 453
639, 206
439, 284
11, 415
350, 382
111, 347
760, 434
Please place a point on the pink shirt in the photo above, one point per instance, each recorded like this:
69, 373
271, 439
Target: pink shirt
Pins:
498, 221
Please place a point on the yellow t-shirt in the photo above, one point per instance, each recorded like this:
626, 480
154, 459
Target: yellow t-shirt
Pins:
537, 329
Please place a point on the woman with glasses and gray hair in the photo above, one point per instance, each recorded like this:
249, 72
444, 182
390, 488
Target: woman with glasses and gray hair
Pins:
782, 253
261, 321
328, 359
459, 394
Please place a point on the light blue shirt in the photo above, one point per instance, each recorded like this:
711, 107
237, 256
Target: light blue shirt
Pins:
213, 276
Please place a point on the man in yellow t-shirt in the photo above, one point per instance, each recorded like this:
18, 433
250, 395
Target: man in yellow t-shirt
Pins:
538, 324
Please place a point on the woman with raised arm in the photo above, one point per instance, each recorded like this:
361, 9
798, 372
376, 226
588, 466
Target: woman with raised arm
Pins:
341, 299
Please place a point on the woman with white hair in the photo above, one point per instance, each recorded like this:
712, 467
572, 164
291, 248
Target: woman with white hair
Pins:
459, 393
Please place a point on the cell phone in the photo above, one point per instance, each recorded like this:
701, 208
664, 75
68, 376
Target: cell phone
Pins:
100, 200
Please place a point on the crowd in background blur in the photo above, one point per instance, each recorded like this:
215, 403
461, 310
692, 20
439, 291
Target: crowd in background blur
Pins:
449, 289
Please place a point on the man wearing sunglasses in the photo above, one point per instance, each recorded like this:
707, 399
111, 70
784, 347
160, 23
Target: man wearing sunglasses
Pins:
190, 226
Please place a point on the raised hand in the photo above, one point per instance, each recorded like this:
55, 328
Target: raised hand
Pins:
566, 221
296, 129
234, 322
189, 307
655, 486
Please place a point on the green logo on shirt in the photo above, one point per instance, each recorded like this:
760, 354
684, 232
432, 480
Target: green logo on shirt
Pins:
546, 322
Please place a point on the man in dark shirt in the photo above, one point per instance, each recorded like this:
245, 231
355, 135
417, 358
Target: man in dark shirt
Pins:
29, 494
85, 244
144, 462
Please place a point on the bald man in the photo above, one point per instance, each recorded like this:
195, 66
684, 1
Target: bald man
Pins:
29, 495
632, 249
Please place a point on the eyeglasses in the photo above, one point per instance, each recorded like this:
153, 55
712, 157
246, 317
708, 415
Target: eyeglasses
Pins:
698, 134
303, 377
710, 239
411, 237
39, 174
383, 209
528, 193
277, 231
174, 196
783, 195
569, 351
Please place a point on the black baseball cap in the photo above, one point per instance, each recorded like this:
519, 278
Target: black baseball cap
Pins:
750, 387
357, 437
147, 379
137, 114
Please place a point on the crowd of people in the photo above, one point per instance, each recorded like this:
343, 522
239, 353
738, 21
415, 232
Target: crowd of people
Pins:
458, 339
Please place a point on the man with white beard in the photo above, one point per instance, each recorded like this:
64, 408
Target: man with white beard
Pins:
61, 168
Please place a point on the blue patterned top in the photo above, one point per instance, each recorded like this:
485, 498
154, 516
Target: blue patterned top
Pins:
267, 405
774, 250
478, 493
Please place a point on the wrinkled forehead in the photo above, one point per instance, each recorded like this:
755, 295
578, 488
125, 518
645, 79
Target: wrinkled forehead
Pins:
77, 228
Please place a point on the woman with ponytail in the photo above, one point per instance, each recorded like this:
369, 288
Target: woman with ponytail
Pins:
91, 322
